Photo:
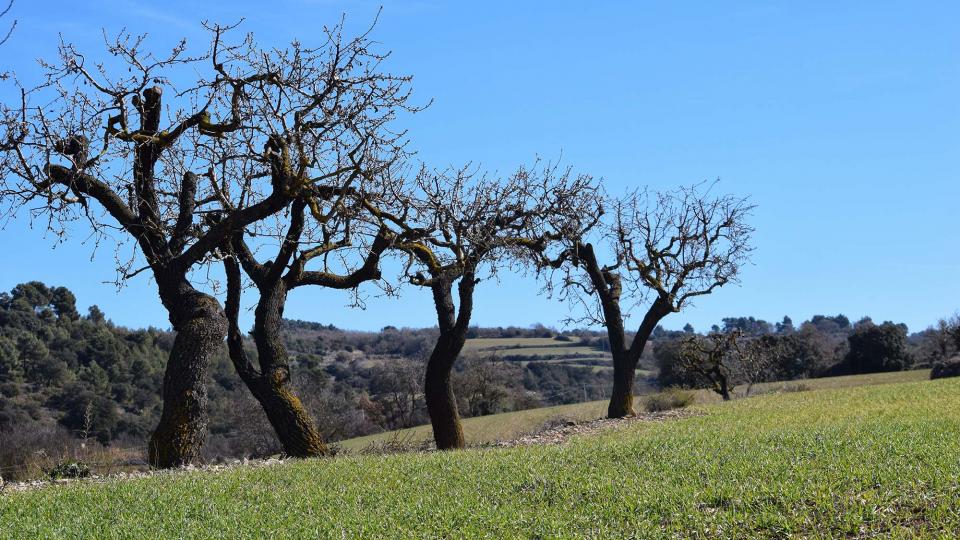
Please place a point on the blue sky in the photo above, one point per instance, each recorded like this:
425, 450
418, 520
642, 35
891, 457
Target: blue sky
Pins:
839, 119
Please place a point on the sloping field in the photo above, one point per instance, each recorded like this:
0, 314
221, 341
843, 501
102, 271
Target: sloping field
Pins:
544, 347
854, 461
480, 344
487, 429
549, 351
499, 427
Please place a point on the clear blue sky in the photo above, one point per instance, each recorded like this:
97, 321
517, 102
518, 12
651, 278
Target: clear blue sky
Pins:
839, 119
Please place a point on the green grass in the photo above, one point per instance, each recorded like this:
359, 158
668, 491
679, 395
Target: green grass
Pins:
850, 461
487, 429
499, 427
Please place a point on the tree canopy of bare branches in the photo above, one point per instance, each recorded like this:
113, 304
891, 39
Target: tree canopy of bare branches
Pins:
340, 228
179, 151
665, 249
462, 227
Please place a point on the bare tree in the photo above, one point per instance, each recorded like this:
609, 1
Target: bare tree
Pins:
666, 248
287, 270
756, 359
471, 226
484, 384
712, 358
253, 130
947, 336
397, 387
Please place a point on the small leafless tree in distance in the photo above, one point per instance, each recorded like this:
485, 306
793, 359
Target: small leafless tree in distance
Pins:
947, 336
484, 384
712, 357
757, 358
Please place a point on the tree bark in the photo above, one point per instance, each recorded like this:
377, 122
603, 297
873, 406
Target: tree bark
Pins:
201, 326
621, 399
438, 392
724, 388
295, 429
293, 425
625, 363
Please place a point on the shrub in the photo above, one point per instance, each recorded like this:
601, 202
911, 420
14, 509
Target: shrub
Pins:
948, 368
671, 398
69, 469
400, 442
24, 452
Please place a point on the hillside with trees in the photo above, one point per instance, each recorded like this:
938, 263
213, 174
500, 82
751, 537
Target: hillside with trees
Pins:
67, 377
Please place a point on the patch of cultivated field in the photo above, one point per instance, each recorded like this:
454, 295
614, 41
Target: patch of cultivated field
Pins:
847, 461
568, 350
487, 344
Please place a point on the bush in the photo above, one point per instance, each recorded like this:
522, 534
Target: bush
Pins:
69, 469
25, 452
948, 368
671, 398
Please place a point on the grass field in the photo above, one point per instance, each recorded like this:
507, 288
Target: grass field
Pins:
847, 461
542, 347
487, 429
482, 344
569, 350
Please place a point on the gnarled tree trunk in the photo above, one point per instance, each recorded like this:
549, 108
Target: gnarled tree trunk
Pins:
295, 429
621, 399
724, 386
292, 423
438, 392
625, 361
201, 326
